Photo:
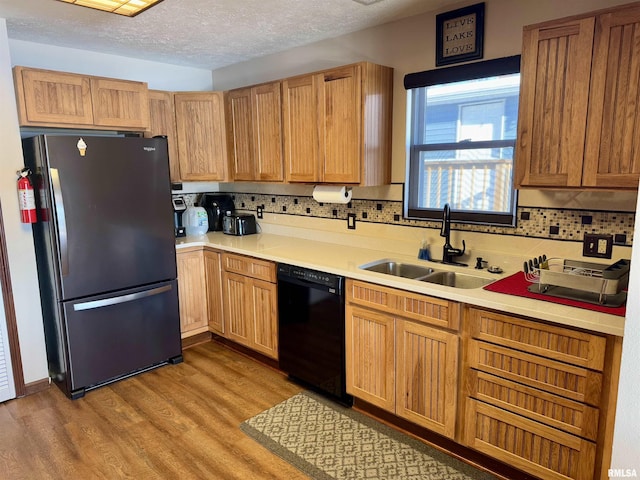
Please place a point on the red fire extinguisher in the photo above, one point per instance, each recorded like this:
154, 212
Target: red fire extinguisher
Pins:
26, 197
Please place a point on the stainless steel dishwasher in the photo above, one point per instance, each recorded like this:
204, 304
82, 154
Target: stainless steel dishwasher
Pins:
311, 329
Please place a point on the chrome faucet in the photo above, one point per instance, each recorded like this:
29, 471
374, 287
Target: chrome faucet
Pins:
448, 252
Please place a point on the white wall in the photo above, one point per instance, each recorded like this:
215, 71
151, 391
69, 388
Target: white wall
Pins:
159, 76
626, 437
22, 263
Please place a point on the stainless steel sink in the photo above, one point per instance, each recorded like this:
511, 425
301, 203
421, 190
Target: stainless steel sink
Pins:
457, 280
398, 269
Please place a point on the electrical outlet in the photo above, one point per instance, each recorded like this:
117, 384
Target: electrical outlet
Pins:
597, 245
351, 221
259, 211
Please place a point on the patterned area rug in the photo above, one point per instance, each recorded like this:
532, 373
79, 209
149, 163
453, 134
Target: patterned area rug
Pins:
327, 441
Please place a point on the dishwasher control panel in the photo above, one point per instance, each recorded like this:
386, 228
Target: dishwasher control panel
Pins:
312, 276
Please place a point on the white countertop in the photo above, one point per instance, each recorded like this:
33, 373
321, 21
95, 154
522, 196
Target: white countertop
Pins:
346, 260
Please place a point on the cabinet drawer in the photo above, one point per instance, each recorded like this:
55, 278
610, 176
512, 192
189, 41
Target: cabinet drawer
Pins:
563, 344
544, 451
249, 266
430, 310
572, 417
568, 381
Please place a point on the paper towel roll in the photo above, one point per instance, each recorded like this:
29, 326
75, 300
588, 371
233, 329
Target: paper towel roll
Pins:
331, 194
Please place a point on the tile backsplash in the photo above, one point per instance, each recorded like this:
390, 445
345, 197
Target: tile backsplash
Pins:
534, 222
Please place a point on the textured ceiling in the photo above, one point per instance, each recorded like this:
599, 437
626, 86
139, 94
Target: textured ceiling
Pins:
202, 33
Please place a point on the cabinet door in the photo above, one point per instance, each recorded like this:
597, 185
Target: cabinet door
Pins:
237, 308
340, 125
120, 103
370, 357
264, 317
612, 155
192, 293
427, 376
241, 134
162, 121
556, 66
213, 276
300, 128
202, 145
47, 97
267, 132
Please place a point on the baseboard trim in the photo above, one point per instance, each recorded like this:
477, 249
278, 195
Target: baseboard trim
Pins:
196, 339
37, 386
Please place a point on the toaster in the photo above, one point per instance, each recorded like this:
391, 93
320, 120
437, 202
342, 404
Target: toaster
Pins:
239, 224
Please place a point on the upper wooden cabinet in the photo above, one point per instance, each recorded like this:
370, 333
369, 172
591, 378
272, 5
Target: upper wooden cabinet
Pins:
47, 98
337, 125
255, 133
162, 121
578, 102
201, 137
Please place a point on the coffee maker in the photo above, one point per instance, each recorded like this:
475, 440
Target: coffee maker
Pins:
178, 209
216, 205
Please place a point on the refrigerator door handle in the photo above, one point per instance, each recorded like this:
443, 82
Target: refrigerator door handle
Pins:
121, 299
62, 221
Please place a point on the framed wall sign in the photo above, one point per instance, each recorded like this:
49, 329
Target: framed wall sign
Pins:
459, 35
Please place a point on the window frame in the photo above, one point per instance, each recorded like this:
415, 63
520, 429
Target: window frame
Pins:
471, 71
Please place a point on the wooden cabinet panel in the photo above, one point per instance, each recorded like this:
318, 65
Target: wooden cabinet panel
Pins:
162, 122
250, 303
192, 293
612, 155
552, 118
267, 132
213, 276
253, 267
265, 317
337, 125
237, 308
571, 346
340, 126
431, 310
558, 412
370, 353
48, 97
300, 132
544, 451
255, 136
427, 376
120, 104
241, 134
202, 144
550, 375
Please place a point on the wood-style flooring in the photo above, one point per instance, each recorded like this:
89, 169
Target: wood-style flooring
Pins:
175, 422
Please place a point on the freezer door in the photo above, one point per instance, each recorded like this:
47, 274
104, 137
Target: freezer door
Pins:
112, 336
112, 212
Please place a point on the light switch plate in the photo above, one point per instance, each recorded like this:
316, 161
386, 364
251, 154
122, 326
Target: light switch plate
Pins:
351, 221
597, 245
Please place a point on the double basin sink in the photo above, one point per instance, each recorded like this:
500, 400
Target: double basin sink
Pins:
426, 274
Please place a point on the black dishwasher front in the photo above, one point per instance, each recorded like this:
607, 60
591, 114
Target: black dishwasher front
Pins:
311, 329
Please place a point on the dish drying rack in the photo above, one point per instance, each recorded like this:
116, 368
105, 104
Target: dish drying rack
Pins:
577, 280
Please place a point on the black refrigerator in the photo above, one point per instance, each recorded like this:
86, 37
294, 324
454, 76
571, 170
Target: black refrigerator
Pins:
105, 252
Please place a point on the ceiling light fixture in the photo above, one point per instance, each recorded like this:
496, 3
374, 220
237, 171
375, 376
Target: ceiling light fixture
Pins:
128, 8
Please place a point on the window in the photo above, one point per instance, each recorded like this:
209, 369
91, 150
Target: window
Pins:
463, 134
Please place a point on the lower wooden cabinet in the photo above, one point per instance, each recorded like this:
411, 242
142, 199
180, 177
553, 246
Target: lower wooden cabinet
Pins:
250, 303
536, 395
404, 366
192, 292
213, 278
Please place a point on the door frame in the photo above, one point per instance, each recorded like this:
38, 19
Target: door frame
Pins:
10, 314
